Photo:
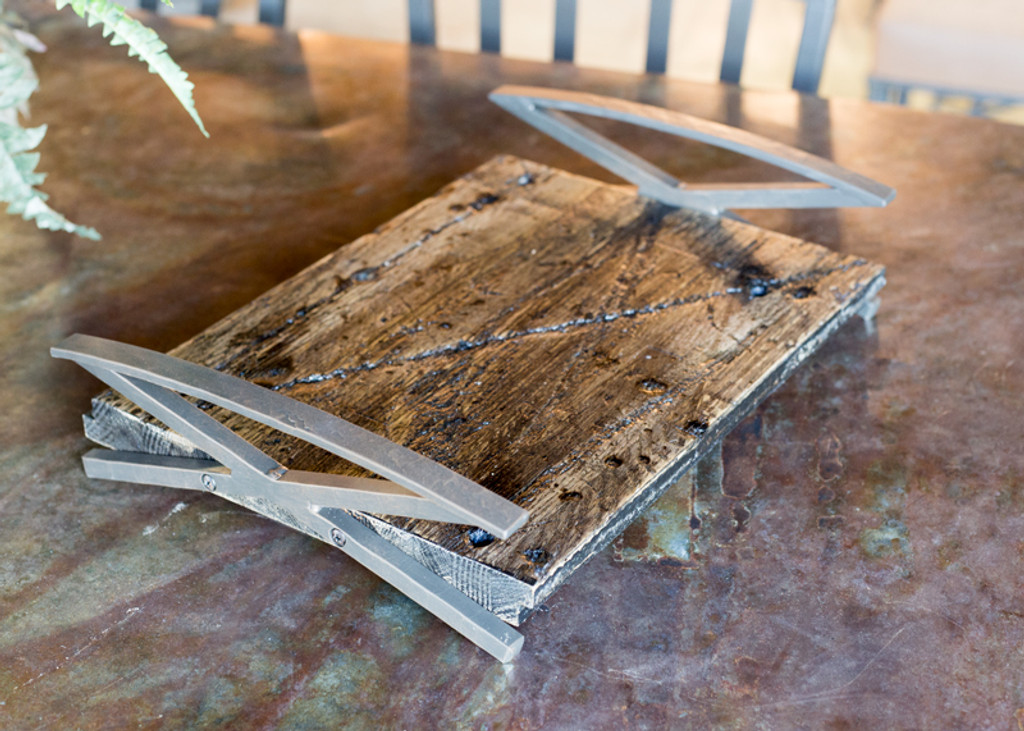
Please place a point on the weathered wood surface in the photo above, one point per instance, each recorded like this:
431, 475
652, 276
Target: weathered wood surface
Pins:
558, 340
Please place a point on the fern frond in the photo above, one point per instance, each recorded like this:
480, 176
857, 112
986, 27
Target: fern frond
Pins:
17, 165
142, 42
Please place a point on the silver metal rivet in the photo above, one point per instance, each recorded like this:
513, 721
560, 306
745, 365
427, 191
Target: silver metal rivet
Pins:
209, 483
338, 537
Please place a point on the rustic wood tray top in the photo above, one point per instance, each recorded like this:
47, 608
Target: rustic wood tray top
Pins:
561, 341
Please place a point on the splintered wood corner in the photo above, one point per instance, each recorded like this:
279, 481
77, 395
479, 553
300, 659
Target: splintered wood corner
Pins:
564, 343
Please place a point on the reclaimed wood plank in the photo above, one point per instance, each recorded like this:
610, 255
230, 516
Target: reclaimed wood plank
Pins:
566, 344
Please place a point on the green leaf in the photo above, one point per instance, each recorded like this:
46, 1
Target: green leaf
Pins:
17, 165
122, 29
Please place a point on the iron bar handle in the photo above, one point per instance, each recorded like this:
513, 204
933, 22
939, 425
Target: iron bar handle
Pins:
147, 377
831, 186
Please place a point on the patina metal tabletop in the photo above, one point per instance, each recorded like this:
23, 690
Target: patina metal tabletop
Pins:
859, 564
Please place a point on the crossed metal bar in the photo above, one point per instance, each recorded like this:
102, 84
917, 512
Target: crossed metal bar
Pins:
311, 502
831, 186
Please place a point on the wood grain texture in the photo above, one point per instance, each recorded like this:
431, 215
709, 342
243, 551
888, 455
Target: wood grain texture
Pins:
566, 344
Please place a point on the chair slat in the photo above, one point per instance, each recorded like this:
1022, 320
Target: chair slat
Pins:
272, 12
422, 24
490, 26
736, 40
565, 30
657, 36
210, 8
813, 44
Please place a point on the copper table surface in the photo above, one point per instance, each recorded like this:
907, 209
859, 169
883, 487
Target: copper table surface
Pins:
859, 564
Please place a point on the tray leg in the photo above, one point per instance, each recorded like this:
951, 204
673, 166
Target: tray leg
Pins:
421, 585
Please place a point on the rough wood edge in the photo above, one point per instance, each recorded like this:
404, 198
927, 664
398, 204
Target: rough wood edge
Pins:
756, 395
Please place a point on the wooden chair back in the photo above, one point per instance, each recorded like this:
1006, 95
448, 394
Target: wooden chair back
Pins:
818, 19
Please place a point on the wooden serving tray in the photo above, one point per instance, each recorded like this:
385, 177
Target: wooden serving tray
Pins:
561, 341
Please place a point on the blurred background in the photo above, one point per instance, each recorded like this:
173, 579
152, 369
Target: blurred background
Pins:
961, 56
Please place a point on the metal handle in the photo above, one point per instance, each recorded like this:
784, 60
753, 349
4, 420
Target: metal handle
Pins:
153, 380
421, 585
310, 502
832, 186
